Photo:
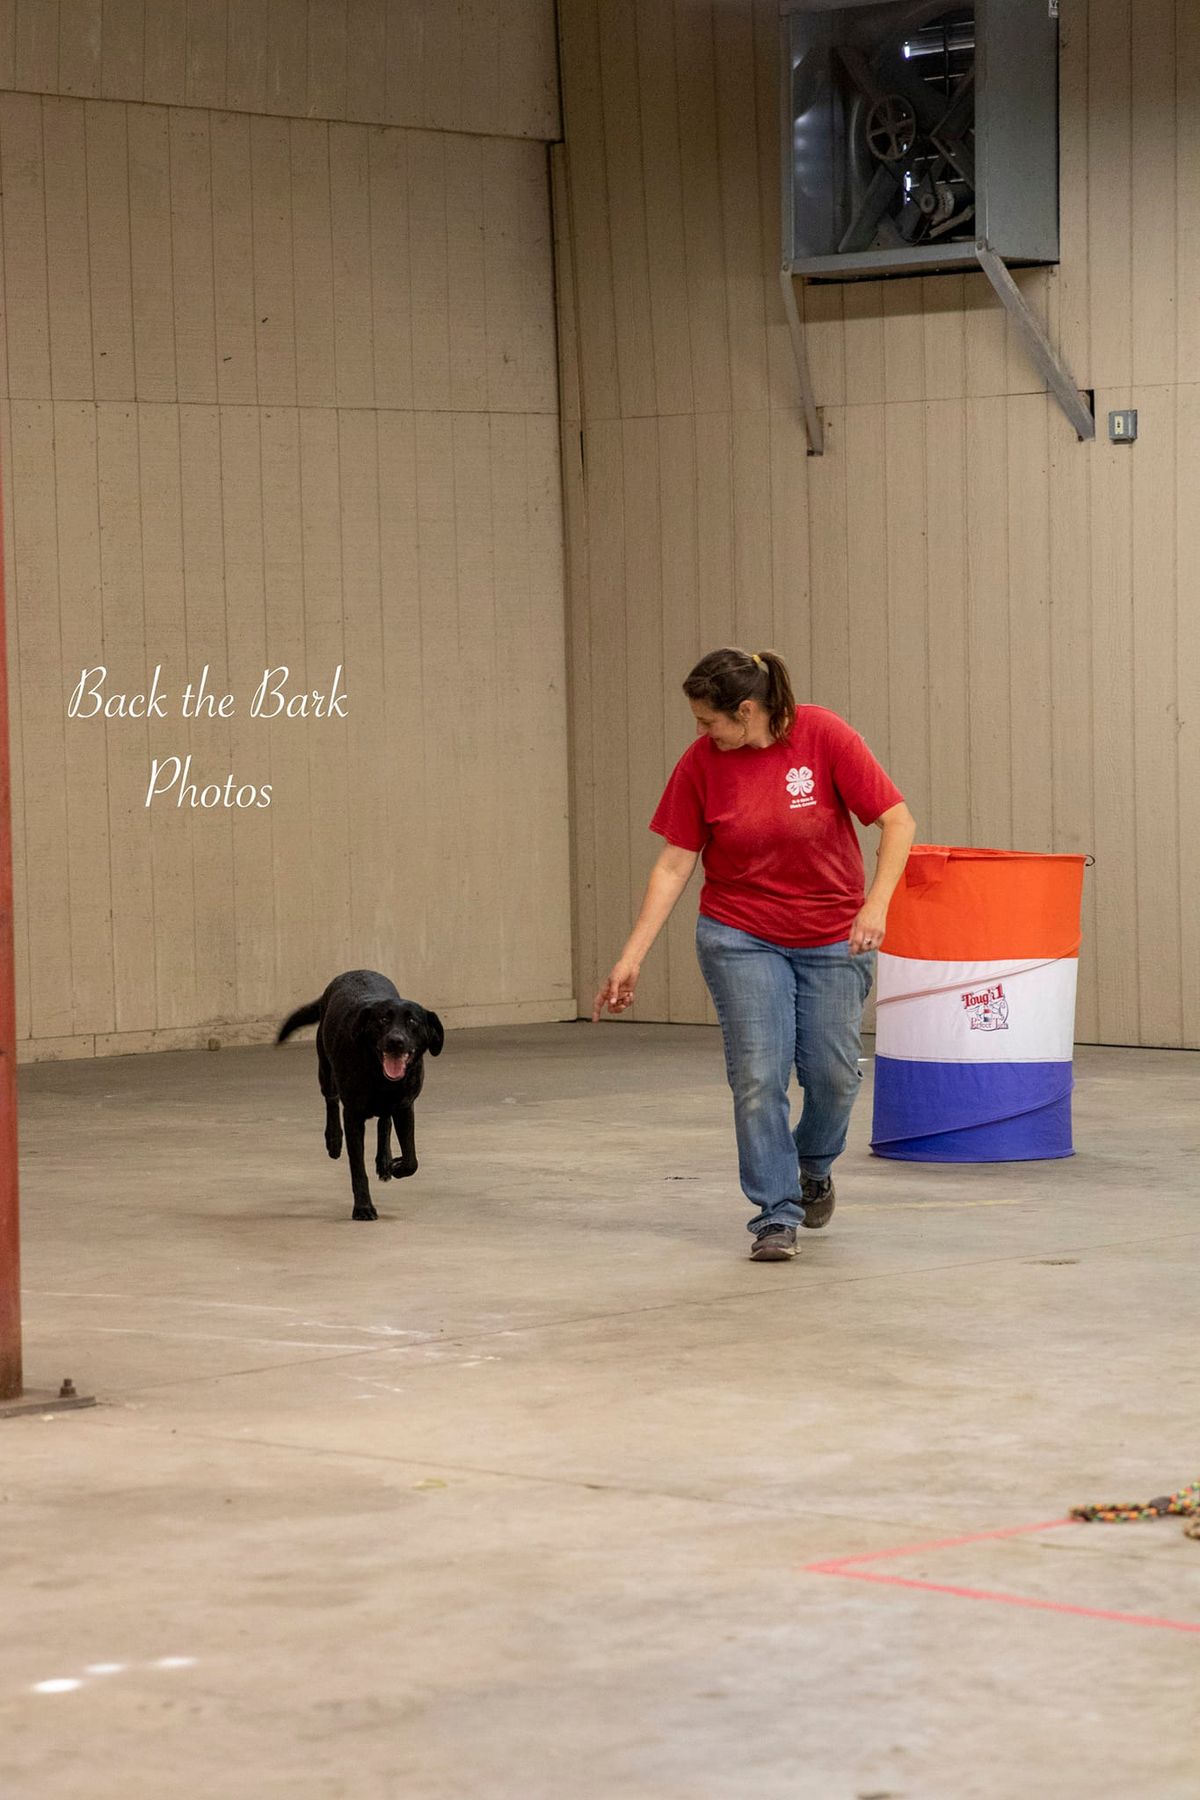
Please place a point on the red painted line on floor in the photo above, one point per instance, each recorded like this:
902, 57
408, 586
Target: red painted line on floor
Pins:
1054, 1606
833, 1565
847, 1566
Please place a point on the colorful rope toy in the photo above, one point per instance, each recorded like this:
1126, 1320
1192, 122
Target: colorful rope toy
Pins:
1184, 1504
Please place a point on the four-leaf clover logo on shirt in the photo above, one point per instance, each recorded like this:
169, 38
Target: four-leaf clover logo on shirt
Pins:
800, 781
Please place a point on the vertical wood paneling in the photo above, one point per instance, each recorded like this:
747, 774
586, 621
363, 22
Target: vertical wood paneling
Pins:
256, 900
274, 268
233, 260
33, 583
166, 53
610, 814
428, 271
703, 225
366, 61
246, 56
790, 609
988, 633
662, 178
26, 305
485, 945
109, 264
741, 216
866, 574
312, 263
185, 276
20, 930
1109, 193
287, 57
644, 676
828, 683
626, 205
948, 820
907, 643
468, 219
150, 253
1187, 663
65, 164
128, 56
350, 206
531, 533
192, 265
1071, 656
1112, 737
8, 43
371, 832
1187, 192
79, 39
391, 315
681, 649
1030, 697
298, 966
1153, 131
207, 37
126, 740
86, 774
36, 58
209, 738
327, 50
175, 843
1154, 744
447, 65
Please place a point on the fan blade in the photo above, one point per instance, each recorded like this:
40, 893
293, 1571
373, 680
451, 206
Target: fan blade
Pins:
856, 66
875, 202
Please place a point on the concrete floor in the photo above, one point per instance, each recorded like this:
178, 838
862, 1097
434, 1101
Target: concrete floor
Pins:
513, 1494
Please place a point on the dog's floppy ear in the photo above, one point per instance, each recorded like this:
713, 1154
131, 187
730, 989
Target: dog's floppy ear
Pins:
435, 1033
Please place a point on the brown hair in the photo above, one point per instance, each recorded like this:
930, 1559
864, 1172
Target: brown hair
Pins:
724, 678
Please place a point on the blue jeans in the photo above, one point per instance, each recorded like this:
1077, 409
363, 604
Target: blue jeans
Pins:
778, 1009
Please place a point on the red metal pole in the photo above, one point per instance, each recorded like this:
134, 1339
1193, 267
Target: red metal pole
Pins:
10, 1256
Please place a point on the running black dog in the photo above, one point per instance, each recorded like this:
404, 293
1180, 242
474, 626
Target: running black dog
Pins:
371, 1047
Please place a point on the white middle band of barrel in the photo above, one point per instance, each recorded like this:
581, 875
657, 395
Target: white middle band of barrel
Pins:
948, 1011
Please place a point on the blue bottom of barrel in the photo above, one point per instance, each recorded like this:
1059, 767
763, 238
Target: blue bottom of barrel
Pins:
971, 1112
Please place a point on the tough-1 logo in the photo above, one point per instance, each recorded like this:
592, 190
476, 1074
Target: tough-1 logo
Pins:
987, 1008
800, 786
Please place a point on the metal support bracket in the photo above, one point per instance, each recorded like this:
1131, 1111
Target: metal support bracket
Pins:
1042, 354
812, 417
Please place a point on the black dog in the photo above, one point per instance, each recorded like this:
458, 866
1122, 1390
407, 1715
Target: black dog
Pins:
371, 1046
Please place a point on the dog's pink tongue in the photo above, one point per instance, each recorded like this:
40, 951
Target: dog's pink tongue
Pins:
394, 1067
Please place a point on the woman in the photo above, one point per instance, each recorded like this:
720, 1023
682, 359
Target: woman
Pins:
786, 936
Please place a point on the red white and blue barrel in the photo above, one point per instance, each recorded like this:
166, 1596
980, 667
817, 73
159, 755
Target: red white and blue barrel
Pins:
975, 1020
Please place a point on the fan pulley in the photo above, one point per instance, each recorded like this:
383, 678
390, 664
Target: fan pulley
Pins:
891, 128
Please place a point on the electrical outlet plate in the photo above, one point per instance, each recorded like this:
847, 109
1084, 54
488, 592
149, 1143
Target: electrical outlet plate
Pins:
1122, 426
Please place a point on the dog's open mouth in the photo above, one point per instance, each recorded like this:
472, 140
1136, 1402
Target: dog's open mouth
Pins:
395, 1067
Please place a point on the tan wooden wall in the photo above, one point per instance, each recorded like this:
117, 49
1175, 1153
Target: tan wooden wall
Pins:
1009, 616
282, 390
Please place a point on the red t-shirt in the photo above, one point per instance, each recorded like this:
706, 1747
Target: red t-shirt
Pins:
780, 856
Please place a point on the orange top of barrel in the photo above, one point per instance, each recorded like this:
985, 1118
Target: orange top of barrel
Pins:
958, 904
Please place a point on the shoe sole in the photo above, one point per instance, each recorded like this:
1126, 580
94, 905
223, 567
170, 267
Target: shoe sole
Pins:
774, 1254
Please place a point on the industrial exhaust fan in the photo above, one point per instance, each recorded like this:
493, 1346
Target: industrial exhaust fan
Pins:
913, 130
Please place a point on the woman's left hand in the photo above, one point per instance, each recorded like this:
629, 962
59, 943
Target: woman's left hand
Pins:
867, 931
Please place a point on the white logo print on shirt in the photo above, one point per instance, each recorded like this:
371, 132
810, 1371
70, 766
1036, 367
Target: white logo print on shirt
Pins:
800, 786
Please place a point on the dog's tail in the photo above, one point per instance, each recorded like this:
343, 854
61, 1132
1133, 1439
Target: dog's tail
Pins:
304, 1015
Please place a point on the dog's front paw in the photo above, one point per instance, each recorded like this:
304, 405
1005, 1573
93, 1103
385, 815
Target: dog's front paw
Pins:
364, 1210
333, 1143
400, 1168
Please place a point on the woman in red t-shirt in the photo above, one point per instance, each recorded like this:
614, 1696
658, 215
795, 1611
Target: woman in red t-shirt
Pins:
786, 936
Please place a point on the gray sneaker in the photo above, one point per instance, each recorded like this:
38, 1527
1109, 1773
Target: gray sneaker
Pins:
818, 1199
774, 1243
